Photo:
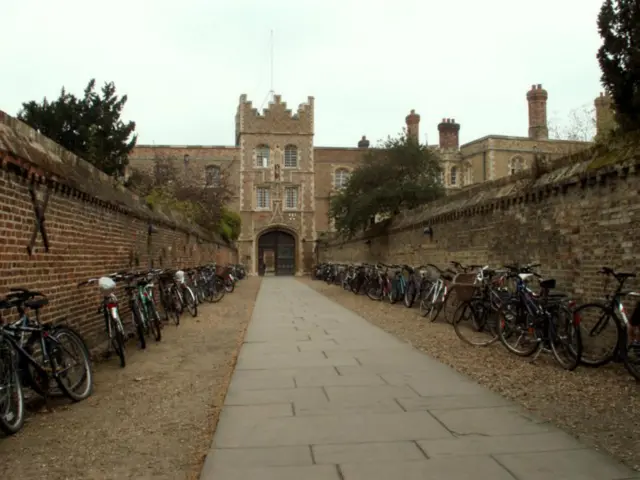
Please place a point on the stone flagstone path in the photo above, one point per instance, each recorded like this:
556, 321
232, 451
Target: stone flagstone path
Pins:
321, 394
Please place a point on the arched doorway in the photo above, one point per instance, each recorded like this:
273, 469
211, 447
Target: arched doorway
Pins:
276, 253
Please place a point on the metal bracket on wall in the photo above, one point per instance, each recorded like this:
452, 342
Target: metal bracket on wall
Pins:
39, 210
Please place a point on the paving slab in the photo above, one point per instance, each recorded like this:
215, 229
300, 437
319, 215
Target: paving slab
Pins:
367, 452
278, 395
319, 393
460, 468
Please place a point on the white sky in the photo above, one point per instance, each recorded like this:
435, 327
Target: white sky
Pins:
367, 63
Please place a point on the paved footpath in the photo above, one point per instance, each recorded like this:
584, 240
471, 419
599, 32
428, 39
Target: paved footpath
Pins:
321, 394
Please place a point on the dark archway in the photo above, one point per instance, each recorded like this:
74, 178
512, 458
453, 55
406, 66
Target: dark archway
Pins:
276, 253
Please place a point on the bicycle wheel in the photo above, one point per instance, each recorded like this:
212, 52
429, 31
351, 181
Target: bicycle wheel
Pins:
600, 333
374, 290
229, 285
512, 326
117, 340
153, 321
139, 323
410, 295
216, 290
11, 394
565, 338
190, 300
472, 325
426, 302
67, 361
631, 359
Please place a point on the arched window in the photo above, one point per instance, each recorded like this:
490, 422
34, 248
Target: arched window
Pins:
516, 165
453, 175
341, 177
212, 176
262, 156
290, 156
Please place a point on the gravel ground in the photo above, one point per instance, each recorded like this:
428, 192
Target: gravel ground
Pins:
153, 419
599, 406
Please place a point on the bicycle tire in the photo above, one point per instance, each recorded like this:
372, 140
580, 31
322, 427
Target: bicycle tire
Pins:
410, 295
154, 321
587, 359
478, 323
573, 359
190, 301
139, 324
9, 374
632, 368
117, 341
502, 328
71, 392
217, 290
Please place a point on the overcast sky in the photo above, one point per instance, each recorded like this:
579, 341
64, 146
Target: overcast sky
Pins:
367, 63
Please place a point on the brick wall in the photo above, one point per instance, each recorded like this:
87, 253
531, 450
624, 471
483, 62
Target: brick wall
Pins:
573, 221
93, 226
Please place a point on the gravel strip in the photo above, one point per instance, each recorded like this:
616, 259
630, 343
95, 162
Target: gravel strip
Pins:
599, 406
153, 419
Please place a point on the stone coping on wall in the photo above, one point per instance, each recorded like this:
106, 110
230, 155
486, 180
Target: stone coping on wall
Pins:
36, 157
505, 192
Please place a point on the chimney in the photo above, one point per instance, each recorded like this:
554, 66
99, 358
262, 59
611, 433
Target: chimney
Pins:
363, 143
537, 98
449, 134
413, 125
605, 120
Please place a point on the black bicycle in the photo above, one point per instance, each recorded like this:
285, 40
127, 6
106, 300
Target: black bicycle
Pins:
34, 354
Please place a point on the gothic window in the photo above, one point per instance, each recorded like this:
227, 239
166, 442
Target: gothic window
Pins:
341, 177
291, 198
212, 176
290, 156
263, 196
453, 175
516, 165
262, 156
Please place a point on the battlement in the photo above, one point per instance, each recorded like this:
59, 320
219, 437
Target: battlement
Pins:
276, 118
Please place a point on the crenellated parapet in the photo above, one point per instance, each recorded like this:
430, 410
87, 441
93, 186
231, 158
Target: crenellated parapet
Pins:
276, 118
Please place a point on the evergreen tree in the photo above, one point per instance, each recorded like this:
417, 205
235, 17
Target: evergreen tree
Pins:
90, 126
619, 57
400, 174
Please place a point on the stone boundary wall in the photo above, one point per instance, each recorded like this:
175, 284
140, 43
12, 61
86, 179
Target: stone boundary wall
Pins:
93, 226
582, 215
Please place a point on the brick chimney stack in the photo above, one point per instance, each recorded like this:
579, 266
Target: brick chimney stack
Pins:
413, 125
537, 98
363, 143
604, 113
449, 134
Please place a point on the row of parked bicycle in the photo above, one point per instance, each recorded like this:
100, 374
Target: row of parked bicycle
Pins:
486, 305
43, 356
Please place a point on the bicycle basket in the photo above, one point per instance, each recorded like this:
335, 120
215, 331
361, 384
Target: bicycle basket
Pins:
106, 285
465, 286
179, 276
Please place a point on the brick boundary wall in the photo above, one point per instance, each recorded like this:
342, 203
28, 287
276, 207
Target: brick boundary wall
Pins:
93, 226
573, 220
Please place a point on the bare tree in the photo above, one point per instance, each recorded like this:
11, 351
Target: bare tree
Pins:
200, 199
579, 126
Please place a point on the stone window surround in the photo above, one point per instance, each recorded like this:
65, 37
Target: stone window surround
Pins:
516, 164
295, 154
453, 175
256, 196
287, 189
262, 148
337, 169
212, 175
